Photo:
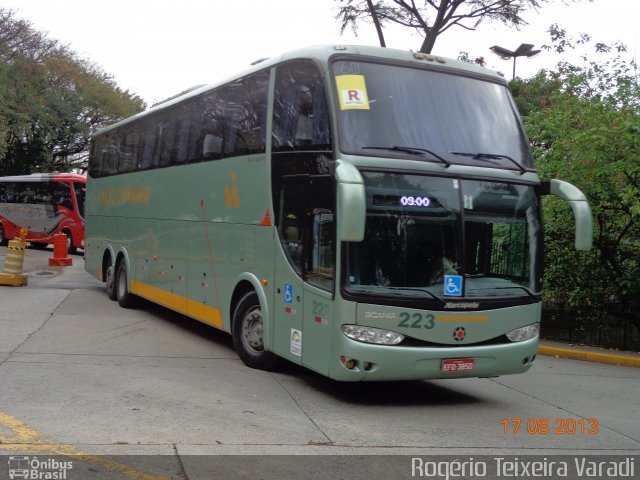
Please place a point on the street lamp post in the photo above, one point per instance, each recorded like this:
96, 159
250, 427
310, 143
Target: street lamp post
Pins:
524, 50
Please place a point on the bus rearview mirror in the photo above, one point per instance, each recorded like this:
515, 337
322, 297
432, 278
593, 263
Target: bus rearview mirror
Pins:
579, 206
352, 202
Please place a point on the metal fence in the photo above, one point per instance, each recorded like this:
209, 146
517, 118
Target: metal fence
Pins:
589, 327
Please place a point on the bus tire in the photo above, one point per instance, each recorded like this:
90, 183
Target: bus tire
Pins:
110, 279
125, 298
3, 239
247, 331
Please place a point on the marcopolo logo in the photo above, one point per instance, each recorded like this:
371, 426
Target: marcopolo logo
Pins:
462, 305
38, 469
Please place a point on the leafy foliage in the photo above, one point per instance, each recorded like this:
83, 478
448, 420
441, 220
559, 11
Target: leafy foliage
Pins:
51, 101
584, 126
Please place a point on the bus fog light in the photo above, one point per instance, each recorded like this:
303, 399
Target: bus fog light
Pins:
524, 333
372, 335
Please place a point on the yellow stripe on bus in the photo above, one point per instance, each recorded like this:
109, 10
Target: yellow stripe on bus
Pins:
200, 311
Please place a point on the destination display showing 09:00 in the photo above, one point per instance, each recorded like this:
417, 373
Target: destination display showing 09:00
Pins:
404, 200
414, 201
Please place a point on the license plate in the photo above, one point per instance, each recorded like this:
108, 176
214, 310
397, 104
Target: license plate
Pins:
458, 365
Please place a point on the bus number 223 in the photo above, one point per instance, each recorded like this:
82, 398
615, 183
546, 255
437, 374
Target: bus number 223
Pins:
417, 320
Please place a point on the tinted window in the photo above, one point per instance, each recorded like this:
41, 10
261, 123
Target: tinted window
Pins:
306, 228
80, 196
129, 161
32, 193
300, 118
226, 122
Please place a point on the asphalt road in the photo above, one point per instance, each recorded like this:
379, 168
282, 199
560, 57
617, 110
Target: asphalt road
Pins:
147, 393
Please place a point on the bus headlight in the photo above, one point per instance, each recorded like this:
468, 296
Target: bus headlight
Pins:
524, 333
372, 335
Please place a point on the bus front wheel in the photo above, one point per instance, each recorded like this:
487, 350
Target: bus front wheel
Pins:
247, 334
125, 298
3, 240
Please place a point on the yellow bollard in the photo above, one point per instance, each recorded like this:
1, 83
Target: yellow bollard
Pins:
13, 262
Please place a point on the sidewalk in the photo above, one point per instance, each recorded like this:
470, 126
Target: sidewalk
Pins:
589, 354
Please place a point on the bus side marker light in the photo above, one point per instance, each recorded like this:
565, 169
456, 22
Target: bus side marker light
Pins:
266, 221
264, 282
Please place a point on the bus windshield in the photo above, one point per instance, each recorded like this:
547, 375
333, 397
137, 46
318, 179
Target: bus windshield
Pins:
421, 228
425, 114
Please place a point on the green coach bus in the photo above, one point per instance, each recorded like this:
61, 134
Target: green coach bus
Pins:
368, 213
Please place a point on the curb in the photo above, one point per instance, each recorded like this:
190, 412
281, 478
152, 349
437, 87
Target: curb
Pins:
627, 361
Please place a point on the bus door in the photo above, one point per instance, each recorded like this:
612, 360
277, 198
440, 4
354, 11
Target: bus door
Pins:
305, 275
289, 296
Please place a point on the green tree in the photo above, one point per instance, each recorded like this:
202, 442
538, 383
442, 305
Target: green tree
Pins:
584, 125
51, 101
431, 18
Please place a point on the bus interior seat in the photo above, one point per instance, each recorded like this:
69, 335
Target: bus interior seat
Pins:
211, 146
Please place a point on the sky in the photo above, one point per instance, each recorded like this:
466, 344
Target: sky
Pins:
157, 49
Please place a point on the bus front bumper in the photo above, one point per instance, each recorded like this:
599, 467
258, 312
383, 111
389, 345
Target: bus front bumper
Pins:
356, 361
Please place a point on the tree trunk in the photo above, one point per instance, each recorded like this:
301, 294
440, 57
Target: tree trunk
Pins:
376, 22
428, 43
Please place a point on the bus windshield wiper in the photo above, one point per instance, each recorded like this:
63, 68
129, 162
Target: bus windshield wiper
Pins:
529, 292
491, 156
417, 289
412, 150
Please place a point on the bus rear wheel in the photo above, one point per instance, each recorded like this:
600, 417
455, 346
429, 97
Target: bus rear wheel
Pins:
248, 334
3, 240
125, 298
110, 279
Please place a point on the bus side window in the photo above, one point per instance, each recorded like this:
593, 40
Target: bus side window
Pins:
292, 227
129, 161
148, 156
44, 193
8, 193
80, 196
182, 130
212, 124
62, 198
110, 154
301, 116
28, 195
167, 145
190, 133
322, 240
306, 229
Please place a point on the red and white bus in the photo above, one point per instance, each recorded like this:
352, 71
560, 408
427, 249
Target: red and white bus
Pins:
45, 204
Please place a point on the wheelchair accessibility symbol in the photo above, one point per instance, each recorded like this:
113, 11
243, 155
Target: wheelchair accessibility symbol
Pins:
453, 285
288, 293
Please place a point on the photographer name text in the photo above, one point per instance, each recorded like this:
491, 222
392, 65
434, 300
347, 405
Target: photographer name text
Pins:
503, 467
